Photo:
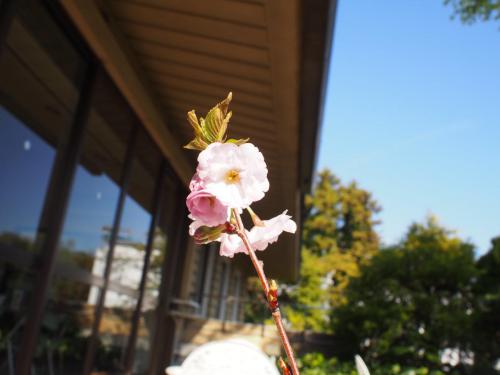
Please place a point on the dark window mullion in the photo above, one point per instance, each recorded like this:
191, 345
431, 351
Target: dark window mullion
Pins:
176, 273
172, 269
124, 183
158, 198
52, 219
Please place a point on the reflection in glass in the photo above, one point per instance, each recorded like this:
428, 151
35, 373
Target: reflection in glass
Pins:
153, 281
40, 77
128, 257
94, 198
147, 321
129, 252
93, 202
25, 164
130, 249
65, 328
40, 73
114, 331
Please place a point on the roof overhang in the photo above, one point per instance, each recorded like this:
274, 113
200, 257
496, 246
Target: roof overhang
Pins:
170, 56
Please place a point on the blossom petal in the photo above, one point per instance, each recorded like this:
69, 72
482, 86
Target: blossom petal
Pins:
193, 226
262, 236
230, 245
219, 160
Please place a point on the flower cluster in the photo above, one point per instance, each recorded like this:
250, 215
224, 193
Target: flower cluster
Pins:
230, 176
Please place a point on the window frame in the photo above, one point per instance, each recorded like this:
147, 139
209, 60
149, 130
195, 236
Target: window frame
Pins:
54, 215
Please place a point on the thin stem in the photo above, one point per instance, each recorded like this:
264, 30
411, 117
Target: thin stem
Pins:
265, 285
285, 341
257, 265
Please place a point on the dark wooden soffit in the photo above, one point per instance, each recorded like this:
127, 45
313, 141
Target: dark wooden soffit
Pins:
91, 24
170, 56
318, 23
317, 19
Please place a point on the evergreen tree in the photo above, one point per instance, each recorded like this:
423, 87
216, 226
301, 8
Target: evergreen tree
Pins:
486, 338
338, 237
412, 301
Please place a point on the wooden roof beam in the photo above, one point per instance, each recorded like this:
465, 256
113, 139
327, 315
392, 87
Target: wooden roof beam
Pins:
118, 63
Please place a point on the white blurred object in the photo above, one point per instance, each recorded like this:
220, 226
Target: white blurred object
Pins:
360, 366
497, 365
455, 356
227, 357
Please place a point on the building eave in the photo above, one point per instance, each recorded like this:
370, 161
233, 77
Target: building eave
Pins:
170, 56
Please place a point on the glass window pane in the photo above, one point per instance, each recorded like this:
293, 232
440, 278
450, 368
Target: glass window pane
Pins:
129, 252
66, 326
40, 78
94, 197
147, 322
25, 164
40, 73
91, 210
114, 332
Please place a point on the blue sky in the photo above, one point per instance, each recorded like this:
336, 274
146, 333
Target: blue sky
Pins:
412, 112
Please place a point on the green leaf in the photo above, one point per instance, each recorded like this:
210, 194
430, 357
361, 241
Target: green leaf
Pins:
204, 234
224, 105
223, 128
193, 120
217, 120
237, 141
196, 144
213, 127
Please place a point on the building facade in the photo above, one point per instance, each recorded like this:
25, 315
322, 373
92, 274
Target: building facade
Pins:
97, 272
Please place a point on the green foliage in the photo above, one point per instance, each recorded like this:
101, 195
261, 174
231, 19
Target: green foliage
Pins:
399, 307
486, 343
16, 241
317, 364
471, 11
60, 332
411, 301
338, 237
213, 127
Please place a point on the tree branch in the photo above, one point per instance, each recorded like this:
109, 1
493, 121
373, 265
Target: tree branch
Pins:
240, 230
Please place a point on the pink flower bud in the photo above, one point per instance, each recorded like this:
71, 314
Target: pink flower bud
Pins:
206, 208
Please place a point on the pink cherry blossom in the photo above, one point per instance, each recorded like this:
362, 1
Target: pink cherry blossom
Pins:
231, 244
261, 236
206, 208
196, 183
195, 224
236, 175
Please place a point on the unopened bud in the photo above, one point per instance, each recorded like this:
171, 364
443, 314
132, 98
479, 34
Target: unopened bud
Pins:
284, 367
273, 285
272, 295
204, 234
255, 218
229, 228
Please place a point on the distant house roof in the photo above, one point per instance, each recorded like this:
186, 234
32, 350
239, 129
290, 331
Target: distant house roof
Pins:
171, 56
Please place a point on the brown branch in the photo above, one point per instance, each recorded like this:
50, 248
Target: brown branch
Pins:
240, 230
